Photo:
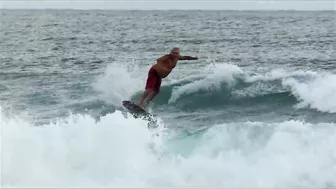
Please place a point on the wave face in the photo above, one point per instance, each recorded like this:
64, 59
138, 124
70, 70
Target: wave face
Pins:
228, 92
226, 85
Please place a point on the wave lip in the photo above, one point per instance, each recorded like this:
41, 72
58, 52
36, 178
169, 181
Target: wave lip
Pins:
316, 93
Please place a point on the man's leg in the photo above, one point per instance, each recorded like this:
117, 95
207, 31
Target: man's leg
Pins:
156, 89
144, 96
151, 96
152, 87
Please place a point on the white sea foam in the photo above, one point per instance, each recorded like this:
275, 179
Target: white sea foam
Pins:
122, 152
119, 83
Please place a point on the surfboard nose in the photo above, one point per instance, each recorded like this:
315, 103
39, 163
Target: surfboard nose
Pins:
125, 102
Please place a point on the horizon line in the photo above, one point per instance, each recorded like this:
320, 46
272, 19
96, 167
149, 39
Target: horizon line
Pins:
111, 9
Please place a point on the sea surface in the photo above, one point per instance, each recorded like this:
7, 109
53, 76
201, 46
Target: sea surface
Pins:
257, 110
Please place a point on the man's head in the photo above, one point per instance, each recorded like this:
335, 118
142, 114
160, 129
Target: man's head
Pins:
175, 52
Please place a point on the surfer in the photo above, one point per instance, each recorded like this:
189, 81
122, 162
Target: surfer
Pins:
164, 65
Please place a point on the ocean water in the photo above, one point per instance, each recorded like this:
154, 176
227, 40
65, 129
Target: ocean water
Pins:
257, 110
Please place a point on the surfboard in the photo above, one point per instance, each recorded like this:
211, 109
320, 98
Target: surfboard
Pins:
133, 108
139, 112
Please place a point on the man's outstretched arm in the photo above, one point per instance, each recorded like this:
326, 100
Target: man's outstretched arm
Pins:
187, 58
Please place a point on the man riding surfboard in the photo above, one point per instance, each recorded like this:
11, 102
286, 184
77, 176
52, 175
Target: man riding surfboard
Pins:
161, 69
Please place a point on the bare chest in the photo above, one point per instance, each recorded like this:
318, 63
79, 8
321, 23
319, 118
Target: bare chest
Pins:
170, 63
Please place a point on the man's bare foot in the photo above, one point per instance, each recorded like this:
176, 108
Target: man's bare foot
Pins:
145, 105
142, 106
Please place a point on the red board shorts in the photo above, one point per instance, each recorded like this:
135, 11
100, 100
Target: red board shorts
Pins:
153, 80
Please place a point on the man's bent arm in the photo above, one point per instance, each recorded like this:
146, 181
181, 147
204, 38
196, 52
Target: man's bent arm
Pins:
187, 58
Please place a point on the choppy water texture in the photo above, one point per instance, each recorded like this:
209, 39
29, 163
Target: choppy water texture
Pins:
256, 110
